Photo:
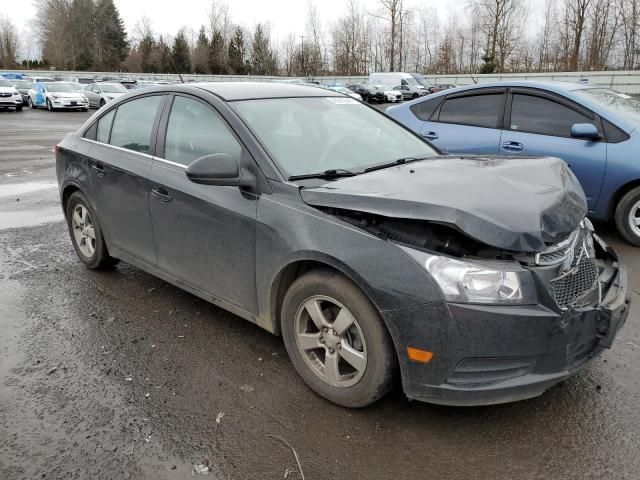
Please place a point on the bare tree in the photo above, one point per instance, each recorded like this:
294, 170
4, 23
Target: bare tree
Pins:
8, 43
573, 22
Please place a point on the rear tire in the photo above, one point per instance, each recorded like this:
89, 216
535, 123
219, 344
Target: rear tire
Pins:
627, 216
353, 362
31, 104
102, 103
86, 234
19, 108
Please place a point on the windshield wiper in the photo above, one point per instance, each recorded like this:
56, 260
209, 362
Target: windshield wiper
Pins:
399, 161
331, 173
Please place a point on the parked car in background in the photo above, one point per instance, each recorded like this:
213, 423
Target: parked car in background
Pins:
57, 95
369, 93
40, 79
444, 86
99, 94
391, 95
143, 84
10, 97
411, 92
346, 91
594, 130
474, 280
23, 87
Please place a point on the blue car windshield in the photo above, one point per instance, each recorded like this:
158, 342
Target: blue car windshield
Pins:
624, 105
314, 134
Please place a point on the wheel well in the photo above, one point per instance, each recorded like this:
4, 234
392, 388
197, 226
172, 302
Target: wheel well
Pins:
285, 279
621, 192
66, 193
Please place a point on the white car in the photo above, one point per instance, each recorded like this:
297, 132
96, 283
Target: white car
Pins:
56, 95
100, 94
392, 95
346, 91
9, 96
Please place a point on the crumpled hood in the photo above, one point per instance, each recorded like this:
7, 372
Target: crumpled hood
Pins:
518, 204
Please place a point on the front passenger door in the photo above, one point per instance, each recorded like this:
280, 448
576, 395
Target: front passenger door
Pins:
204, 234
540, 125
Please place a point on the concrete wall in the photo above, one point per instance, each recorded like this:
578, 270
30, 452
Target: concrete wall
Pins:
624, 81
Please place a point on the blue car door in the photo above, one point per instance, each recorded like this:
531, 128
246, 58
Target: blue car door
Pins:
41, 98
539, 123
466, 122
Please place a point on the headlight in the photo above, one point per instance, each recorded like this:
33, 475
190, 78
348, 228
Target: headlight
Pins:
466, 282
54, 96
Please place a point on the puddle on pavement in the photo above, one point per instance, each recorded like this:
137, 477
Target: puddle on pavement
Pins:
29, 218
27, 187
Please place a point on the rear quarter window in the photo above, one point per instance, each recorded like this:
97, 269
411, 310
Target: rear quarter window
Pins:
424, 110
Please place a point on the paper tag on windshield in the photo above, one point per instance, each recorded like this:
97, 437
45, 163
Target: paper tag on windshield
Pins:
342, 101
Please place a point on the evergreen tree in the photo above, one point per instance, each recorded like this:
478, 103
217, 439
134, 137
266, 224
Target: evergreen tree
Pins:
147, 50
201, 53
111, 38
180, 53
164, 57
237, 53
216, 57
262, 58
83, 41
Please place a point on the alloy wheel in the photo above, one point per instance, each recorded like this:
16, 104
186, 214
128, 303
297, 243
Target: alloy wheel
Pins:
634, 218
83, 230
330, 341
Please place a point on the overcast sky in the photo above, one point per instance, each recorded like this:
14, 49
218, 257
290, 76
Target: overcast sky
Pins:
283, 16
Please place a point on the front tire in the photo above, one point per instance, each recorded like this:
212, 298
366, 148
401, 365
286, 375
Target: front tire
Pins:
19, 108
86, 235
336, 340
627, 216
49, 105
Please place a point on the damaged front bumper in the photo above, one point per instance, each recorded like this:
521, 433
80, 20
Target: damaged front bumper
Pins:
496, 354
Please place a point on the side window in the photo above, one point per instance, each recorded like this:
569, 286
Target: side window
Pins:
425, 109
104, 127
474, 110
404, 82
195, 130
134, 122
533, 114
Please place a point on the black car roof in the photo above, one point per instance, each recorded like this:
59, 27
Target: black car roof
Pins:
231, 91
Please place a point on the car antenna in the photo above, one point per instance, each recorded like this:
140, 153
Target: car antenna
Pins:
176, 69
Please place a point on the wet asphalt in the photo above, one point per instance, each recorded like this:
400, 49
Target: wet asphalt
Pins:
109, 375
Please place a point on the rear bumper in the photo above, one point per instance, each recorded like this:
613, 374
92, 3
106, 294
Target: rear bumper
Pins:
496, 354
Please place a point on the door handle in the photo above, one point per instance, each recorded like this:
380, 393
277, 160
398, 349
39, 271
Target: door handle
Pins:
513, 146
431, 135
161, 194
99, 169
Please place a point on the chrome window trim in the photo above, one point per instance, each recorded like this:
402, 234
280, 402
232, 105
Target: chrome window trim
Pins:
146, 155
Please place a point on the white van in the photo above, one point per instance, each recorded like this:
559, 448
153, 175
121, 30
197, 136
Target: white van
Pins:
393, 78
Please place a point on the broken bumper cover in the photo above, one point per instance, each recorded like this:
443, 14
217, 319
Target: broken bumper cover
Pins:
497, 354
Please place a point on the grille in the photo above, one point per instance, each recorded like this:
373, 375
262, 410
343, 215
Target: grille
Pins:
4, 95
577, 282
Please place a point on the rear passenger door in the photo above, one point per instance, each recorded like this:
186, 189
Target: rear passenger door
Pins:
204, 234
466, 122
119, 169
539, 123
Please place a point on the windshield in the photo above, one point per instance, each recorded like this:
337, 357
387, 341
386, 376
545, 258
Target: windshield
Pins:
22, 83
421, 80
112, 88
315, 134
4, 82
411, 81
59, 87
620, 103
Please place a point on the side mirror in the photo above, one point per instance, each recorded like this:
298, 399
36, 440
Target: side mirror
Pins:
220, 169
585, 130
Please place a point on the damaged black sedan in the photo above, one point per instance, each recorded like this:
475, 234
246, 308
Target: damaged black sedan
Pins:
476, 280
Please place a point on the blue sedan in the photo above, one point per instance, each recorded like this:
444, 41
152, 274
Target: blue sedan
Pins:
592, 129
